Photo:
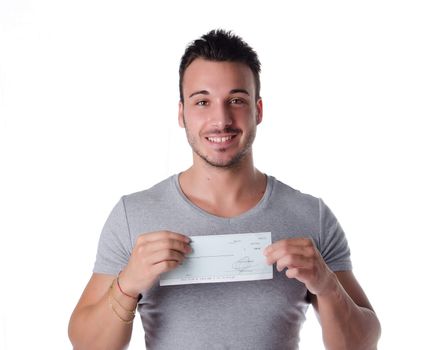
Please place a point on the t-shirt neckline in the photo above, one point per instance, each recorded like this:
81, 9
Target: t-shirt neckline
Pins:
252, 211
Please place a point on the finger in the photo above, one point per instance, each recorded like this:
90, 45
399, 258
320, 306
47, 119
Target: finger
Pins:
167, 244
294, 261
155, 236
165, 266
303, 275
274, 255
293, 273
298, 241
164, 255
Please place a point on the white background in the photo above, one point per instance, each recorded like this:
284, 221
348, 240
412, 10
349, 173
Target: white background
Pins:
355, 103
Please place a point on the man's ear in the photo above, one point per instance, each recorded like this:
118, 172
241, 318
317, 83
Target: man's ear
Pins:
180, 115
259, 111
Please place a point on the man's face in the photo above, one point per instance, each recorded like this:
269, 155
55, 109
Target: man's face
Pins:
219, 112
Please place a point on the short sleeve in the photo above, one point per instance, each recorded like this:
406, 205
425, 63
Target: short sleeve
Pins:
114, 247
334, 246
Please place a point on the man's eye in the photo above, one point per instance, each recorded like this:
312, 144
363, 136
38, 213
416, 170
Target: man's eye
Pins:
201, 103
236, 101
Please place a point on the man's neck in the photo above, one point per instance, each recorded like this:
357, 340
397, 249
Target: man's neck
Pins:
224, 191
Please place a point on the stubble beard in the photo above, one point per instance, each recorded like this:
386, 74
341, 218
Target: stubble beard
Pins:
231, 163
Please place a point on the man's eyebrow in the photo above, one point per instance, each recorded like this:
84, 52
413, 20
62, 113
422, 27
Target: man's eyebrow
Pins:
235, 91
201, 92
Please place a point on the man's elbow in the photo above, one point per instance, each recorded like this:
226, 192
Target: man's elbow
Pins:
368, 338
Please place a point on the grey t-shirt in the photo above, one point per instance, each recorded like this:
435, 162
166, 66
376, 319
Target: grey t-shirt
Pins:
265, 314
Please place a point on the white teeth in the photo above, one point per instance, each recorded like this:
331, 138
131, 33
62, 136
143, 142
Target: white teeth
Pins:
219, 139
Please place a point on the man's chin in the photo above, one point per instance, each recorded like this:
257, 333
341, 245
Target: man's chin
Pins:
223, 163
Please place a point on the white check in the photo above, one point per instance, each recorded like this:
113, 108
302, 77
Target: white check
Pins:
223, 258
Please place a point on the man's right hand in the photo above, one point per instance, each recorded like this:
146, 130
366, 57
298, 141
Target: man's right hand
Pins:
154, 253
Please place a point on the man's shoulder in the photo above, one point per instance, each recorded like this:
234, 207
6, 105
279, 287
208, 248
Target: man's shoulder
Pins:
289, 193
287, 199
157, 193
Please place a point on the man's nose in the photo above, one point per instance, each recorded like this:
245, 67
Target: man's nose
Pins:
221, 116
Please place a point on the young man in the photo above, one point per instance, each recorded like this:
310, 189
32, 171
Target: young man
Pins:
222, 192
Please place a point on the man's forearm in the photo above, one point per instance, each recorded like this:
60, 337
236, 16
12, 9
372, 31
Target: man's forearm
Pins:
346, 326
100, 327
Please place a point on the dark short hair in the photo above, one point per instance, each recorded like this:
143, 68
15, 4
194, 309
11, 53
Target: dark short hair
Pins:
220, 45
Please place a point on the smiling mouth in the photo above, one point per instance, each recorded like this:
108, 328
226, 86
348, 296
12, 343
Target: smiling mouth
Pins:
220, 139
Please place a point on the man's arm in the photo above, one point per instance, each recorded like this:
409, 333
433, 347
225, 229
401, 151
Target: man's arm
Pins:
347, 318
93, 324
103, 317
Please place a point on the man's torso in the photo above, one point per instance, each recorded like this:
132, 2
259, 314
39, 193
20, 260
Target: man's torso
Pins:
264, 314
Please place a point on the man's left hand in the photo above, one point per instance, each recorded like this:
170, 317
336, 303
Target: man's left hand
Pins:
303, 262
